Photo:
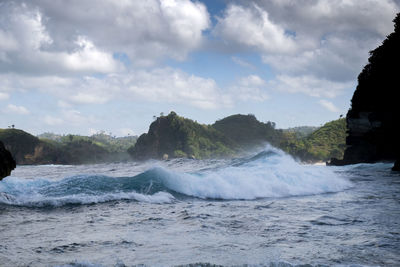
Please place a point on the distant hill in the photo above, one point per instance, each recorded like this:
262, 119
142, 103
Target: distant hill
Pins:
176, 136
301, 131
247, 132
326, 142
173, 136
66, 149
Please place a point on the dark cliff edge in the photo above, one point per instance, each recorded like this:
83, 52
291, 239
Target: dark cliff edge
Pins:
7, 163
373, 119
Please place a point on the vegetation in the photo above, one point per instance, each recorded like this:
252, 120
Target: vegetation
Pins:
321, 145
247, 132
173, 136
65, 149
301, 131
180, 137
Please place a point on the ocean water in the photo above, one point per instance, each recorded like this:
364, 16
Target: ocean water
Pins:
263, 210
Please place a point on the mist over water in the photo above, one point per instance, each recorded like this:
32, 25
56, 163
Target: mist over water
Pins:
266, 209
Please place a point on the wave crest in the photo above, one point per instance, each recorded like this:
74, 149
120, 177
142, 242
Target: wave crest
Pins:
270, 173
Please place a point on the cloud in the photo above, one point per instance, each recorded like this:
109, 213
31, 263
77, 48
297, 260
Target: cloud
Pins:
13, 109
250, 88
50, 37
309, 85
69, 117
308, 43
252, 27
328, 105
31, 48
157, 86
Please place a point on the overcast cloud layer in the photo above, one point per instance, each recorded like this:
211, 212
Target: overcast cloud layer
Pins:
87, 54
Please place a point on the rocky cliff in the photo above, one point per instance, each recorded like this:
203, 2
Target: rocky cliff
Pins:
7, 163
373, 120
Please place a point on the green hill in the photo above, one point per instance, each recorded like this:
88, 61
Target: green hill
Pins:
176, 136
66, 149
247, 132
326, 142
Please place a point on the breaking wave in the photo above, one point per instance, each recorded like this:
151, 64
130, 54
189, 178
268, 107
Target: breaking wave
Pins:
271, 173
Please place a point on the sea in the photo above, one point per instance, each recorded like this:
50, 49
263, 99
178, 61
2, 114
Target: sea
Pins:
265, 209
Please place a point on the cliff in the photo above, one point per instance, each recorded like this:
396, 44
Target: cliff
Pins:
7, 163
372, 121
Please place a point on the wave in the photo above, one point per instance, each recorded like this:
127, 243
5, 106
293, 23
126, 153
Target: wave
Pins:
271, 173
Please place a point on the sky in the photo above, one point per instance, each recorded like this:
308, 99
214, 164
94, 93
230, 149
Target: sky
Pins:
82, 67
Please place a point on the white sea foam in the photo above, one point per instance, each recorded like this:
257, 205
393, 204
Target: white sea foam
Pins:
273, 175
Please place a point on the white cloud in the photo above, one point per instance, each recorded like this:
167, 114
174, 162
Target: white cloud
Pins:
157, 85
309, 85
328, 105
49, 37
309, 44
13, 109
31, 48
250, 88
252, 27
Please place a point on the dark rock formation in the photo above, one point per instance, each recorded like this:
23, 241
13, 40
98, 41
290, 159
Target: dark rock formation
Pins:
372, 121
7, 163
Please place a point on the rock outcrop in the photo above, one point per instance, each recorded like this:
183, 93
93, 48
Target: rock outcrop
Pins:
7, 163
373, 120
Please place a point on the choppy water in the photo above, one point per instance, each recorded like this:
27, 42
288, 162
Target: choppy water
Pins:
265, 210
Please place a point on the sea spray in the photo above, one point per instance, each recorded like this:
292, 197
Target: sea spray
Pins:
271, 173
268, 174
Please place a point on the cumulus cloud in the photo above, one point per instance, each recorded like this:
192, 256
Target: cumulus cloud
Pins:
30, 46
309, 42
252, 27
43, 36
13, 109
